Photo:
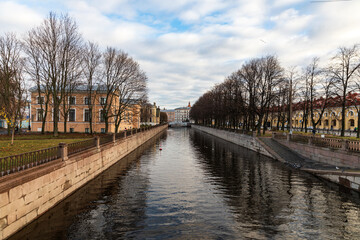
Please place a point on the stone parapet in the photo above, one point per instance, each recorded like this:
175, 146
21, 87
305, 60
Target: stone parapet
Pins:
26, 195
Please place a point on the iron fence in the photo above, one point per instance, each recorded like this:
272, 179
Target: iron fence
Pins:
106, 139
119, 135
23, 161
15, 163
299, 138
81, 146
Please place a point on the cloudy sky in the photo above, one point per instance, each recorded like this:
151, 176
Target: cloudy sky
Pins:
187, 46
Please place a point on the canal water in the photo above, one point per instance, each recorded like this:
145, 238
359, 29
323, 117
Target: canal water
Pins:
200, 187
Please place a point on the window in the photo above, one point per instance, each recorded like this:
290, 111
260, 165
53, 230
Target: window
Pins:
103, 130
326, 123
87, 101
40, 100
72, 115
334, 123
351, 113
87, 115
72, 100
352, 122
87, 130
39, 114
102, 100
325, 114
102, 115
71, 130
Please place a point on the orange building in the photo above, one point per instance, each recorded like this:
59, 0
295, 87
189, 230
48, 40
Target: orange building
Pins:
78, 117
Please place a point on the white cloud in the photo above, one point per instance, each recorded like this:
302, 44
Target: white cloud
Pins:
213, 37
15, 17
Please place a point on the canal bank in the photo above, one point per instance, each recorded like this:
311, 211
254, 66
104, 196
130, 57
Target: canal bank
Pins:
26, 195
200, 187
302, 156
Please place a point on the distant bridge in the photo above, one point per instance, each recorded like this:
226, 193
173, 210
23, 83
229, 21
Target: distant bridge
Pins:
179, 124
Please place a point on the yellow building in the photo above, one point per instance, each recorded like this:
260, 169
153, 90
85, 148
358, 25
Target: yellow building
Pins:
150, 114
330, 120
78, 119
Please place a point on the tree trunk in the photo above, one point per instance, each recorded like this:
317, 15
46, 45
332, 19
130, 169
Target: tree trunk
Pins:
12, 135
343, 117
106, 125
65, 125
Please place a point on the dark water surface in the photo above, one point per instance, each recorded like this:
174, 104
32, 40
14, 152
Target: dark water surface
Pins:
200, 187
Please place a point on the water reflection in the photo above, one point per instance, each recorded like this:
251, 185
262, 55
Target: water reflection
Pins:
270, 200
201, 187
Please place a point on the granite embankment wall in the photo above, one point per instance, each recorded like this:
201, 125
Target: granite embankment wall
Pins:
336, 157
243, 140
349, 178
26, 195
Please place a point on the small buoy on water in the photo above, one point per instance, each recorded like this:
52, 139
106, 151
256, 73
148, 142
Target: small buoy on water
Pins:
160, 149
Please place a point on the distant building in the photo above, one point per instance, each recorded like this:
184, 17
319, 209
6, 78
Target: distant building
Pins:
150, 114
79, 115
182, 114
170, 115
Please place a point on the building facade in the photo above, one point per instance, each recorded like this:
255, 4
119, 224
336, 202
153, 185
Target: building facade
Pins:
78, 112
182, 114
170, 115
150, 114
330, 120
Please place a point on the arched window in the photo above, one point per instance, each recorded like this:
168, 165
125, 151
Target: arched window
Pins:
326, 122
351, 123
333, 123
351, 113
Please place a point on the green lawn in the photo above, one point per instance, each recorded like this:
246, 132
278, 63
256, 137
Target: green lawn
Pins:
46, 136
23, 146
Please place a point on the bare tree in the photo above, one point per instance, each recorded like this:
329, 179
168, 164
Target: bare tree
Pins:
344, 65
131, 90
11, 81
35, 64
91, 71
56, 42
319, 86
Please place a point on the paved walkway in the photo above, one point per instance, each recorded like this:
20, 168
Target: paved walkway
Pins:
295, 160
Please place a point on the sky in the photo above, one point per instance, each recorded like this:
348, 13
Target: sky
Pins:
188, 46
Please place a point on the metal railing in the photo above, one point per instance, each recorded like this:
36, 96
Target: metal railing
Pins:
23, 161
16, 163
331, 143
299, 138
80, 146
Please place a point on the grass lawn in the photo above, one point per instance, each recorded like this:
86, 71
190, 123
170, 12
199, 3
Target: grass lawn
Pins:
35, 136
23, 146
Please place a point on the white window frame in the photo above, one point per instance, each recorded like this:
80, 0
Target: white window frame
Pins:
100, 115
69, 100
69, 114
85, 101
37, 116
84, 114
100, 100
